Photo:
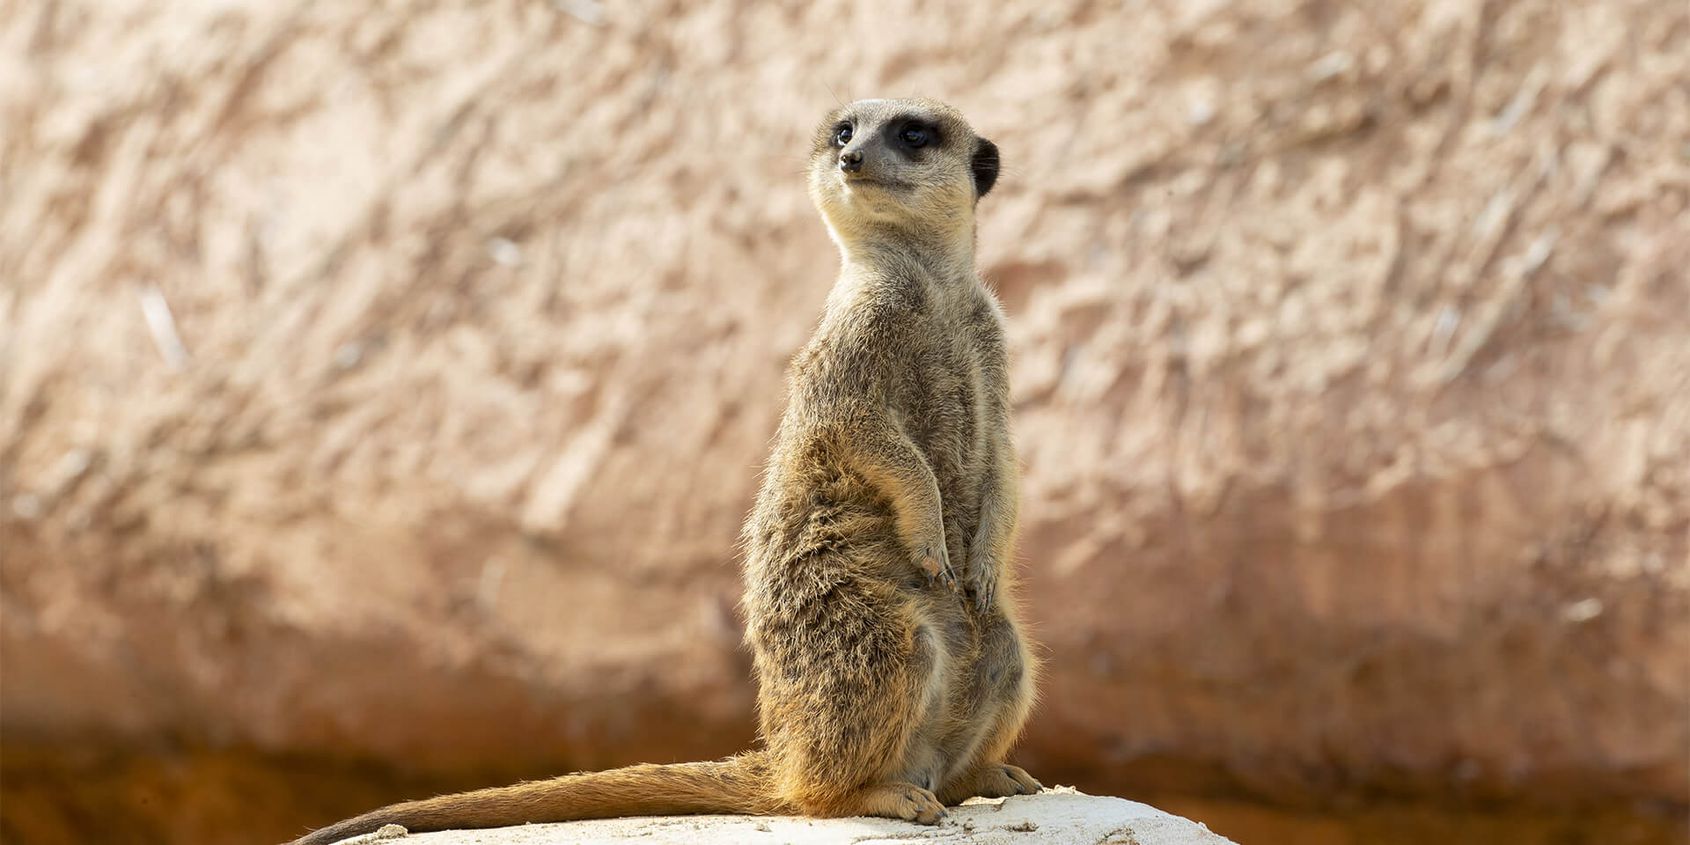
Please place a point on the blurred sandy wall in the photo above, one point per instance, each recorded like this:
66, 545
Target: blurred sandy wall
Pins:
384, 383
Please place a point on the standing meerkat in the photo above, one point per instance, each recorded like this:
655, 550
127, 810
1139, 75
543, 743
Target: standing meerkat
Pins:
893, 674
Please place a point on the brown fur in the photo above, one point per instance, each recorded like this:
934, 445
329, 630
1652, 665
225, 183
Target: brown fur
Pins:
893, 675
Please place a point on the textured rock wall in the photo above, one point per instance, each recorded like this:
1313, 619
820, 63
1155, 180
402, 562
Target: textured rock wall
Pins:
386, 383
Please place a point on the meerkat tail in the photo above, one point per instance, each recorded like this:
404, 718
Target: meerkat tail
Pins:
739, 784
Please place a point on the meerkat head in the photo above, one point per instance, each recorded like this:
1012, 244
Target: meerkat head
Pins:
906, 168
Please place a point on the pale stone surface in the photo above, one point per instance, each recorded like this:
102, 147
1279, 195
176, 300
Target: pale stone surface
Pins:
1055, 817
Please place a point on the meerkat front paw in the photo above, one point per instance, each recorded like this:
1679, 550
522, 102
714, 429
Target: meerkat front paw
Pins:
982, 577
983, 587
935, 560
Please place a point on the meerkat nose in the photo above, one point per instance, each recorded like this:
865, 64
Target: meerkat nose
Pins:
851, 161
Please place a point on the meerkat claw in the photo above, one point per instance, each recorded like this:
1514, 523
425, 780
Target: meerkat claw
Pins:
936, 561
984, 593
983, 581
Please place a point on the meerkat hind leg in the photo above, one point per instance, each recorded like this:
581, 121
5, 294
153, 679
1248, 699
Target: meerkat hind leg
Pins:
846, 703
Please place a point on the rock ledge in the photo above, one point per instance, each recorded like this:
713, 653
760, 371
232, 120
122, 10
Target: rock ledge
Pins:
1057, 817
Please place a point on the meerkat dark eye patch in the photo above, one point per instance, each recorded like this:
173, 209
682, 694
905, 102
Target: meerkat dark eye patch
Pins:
915, 135
911, 133
842, 134
985, 167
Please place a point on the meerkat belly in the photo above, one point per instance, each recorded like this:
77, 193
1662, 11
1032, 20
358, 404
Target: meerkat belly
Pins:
987, 681
929, 758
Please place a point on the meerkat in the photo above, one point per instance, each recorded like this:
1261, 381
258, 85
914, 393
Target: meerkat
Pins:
892, 670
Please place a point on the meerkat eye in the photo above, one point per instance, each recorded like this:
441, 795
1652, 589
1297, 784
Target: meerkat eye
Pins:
915, 136
842, 135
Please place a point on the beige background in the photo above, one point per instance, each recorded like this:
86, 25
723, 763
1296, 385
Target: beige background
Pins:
1351, 350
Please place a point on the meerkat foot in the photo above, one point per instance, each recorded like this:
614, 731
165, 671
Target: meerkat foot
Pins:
901, 801
994, 780
1029, 784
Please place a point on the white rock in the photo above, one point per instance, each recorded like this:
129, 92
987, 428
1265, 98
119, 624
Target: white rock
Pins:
1054, 817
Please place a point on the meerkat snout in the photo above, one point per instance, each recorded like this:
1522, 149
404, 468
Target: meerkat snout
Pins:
851, 161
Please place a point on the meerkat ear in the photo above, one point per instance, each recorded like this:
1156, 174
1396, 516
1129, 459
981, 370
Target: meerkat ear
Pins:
985, 167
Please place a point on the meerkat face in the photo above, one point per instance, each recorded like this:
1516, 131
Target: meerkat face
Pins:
914, 165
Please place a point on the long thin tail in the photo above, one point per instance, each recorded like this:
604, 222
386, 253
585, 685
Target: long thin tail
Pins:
740, 784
